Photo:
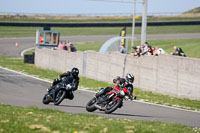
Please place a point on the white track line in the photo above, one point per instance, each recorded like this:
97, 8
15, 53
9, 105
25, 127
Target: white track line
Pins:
45, 80
22, 53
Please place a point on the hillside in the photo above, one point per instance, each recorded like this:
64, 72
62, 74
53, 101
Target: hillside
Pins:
194, 10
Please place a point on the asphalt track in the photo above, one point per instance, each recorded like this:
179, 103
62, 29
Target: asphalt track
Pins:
21, 90
7, 45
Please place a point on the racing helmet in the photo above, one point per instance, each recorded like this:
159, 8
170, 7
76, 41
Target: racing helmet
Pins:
75, 71
130, 78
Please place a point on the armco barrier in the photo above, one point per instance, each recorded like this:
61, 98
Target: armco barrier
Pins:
176, 76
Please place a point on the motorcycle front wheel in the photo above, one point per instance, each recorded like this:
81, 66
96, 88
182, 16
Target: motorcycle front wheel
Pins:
60, 95
90, 107
112, 107
45, 99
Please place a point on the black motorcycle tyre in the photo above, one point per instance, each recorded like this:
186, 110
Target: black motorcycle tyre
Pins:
116, 105
45, 100
57, 102
90, 107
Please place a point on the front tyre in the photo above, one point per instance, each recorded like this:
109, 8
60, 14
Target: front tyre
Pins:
45, 99
60, 95
90, 107
112, 107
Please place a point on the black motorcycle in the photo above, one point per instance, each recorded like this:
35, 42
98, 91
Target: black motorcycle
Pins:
59, 91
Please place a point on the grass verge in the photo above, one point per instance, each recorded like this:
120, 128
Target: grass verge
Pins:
86, 83
32, 119
8, 31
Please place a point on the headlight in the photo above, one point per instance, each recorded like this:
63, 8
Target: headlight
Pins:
122, 93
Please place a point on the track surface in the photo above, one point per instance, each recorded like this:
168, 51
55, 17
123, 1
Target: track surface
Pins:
21, 90
7, 45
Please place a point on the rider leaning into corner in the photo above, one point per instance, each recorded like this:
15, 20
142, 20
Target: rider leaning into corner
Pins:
126, 82
73, 74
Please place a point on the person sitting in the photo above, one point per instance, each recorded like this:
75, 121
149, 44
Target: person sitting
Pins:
150, 51
145, 47
138, 50
178, 52
69, 47
123, 50
60, 46
159, 51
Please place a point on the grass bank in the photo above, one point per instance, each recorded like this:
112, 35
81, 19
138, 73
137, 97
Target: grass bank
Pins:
191, 47
6, 31
32, 119
86, 83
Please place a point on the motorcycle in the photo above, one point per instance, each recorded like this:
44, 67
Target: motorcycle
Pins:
108, 102
59, 91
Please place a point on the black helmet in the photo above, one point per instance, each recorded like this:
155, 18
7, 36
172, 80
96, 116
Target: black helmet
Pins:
75, 71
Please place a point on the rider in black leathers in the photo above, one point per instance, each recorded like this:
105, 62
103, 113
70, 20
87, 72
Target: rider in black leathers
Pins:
74, 75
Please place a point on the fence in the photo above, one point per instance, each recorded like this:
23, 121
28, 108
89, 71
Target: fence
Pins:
176, 76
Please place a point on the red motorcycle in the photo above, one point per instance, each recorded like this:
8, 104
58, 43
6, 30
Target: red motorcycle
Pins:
108, 102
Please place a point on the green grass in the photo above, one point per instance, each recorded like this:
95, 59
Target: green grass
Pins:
31, 119
6, 31
191, 47
86, 83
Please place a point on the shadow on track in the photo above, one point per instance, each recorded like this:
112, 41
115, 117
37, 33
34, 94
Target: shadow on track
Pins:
72, 106
123, 114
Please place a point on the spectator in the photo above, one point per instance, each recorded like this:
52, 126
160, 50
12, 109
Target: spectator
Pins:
123, 50
145, 47
178, 52
41, 39
159, 51
138, 50
60, 46
150, 51
69, 47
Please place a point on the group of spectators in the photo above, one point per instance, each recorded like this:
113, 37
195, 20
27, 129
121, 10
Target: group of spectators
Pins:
146, 49
68, 46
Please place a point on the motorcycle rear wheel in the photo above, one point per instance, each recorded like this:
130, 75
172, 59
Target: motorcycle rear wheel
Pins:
45, 99
111, 108
60, 95
90, 107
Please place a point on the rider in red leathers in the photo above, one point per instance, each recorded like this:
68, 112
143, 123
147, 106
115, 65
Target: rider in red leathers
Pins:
120, 83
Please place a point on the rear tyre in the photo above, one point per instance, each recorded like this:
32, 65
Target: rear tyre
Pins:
45, 99
90, 107
60, 95
112, 107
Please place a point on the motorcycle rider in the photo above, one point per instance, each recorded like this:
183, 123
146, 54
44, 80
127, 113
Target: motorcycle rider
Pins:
129, 84
69, 74
120, 82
